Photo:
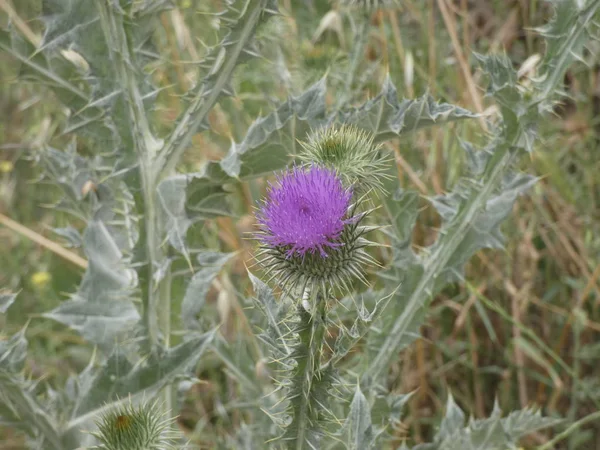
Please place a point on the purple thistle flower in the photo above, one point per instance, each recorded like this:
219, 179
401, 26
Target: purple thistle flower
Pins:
305, 210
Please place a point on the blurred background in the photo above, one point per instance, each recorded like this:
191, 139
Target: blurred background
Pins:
545, 285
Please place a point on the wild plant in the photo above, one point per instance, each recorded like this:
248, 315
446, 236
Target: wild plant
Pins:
338, 289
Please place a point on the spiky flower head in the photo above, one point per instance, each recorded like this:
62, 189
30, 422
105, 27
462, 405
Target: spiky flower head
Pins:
351, 152
310, 235
141, 427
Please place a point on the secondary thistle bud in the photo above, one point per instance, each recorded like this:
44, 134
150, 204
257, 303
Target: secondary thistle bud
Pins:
141, 427
351, 152
311, 237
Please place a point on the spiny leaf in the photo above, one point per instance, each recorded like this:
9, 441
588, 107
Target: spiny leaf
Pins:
195, 293
186, 199
472, 217
231, 52
75, 46
358, 430
274, 335
523, 422
6, 299
452, 421
271, 140
566, 35
484, 229
119, 377
101, 308
348, 338
387, 117
18, 401
13, 353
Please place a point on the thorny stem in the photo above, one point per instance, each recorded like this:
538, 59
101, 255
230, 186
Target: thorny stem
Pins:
435, 264
208, 93
308, 357
157, 300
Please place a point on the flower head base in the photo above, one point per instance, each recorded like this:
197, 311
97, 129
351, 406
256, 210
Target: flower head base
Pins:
305, 211
311, 237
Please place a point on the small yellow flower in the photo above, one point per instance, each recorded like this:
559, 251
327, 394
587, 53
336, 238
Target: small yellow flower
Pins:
6, 166
40, 279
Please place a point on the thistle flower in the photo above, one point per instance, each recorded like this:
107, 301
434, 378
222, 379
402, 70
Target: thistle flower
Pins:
351, 152
310, 234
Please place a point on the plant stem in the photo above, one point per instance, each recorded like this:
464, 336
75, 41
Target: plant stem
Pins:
307, 374
211, 88
157, 300
436, 262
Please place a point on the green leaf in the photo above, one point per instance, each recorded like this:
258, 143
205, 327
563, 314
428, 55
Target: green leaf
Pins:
187, 199
19, 405
523, 422
243, 20
77, 49
566, 35
274, 334
472, 214
119, 377
98, 322
387, 117
101, 309
348, 338
6, 299
195, 293
242, 373
484, 229
13, 353
453, 421
271, 140
358, 430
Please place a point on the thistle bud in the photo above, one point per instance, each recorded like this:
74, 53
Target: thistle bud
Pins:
141, 427
311, 237
351, 152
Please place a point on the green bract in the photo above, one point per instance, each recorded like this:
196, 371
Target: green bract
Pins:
136, 427
352, 152
312, 272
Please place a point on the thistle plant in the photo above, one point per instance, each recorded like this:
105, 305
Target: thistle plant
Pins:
304, 361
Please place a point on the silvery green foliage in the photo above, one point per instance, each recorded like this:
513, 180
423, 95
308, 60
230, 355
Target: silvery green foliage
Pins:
493, 433
94, 57
472, 213
6, 299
